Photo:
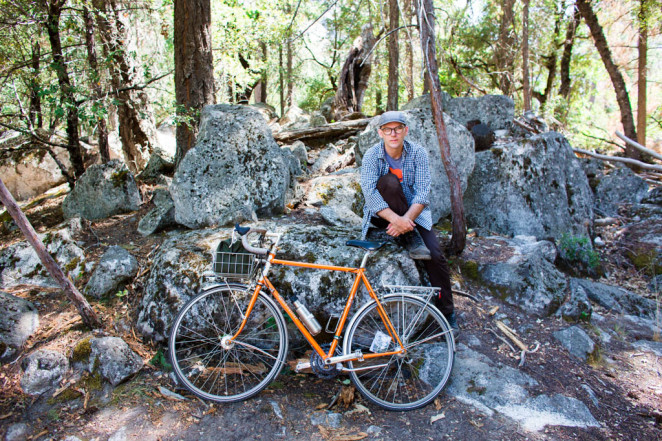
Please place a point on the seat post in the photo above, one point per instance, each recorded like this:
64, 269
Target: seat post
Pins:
365, 259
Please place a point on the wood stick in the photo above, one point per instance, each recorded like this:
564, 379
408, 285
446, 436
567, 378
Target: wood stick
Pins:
511, 335
326, 131
84, 309
638, 146
616, 159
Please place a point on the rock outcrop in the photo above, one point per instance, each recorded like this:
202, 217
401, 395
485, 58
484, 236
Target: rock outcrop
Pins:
115, 267
235, 170
102, 191
19, 319
532, 187
42, 371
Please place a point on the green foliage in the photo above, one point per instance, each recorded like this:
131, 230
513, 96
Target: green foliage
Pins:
160, 361
578, 249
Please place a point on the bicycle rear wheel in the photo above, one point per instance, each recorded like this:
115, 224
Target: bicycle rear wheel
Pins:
232, 371
410, 380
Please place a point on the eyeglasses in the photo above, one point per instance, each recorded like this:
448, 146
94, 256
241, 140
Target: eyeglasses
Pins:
389, 130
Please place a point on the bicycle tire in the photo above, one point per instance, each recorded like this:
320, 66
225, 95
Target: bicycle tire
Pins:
407, 381
213, 372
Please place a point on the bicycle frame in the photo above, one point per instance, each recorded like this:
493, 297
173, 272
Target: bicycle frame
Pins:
264, 282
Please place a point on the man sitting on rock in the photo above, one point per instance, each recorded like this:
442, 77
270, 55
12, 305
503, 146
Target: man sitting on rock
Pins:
395, 179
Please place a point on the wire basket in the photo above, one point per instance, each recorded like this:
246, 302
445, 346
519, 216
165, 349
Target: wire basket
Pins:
234, 265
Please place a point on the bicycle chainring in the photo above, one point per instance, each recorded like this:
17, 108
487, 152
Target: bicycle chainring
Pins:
325, 371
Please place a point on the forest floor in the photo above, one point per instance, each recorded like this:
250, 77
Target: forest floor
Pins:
626, 382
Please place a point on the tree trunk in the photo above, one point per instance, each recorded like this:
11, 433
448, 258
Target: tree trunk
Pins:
54, 9
35, 115
260, 91
354, 76
281, 80
194, 69
84, 309
409, 54
564, 90
289, 74
504, 51
393, 56
136, 128
617, 81
526, 86
426, 20
641, 73
102, 130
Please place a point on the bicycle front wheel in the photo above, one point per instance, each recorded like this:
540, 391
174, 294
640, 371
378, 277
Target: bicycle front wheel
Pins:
215, 369
410, 380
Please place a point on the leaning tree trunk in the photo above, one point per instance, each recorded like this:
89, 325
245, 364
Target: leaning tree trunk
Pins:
354, 76
54, 9
136, 128
102, 130
617, 80
393, 56
84, 309
426, 21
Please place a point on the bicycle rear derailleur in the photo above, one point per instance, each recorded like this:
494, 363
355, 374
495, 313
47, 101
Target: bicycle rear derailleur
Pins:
324, 371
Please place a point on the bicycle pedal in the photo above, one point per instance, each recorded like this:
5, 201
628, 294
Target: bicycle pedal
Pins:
302, 366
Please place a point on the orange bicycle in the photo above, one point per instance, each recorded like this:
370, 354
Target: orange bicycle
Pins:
230, 341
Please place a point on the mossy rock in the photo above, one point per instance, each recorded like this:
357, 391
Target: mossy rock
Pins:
646, 258
82, 351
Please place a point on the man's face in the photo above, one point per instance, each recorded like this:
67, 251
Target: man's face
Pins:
393, 140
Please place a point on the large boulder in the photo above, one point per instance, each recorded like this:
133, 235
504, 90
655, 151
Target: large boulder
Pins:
20, 265
422, 131
533, 187
19, 319
521, 271
102, 191
42, 371
28, 173
235, 170
338, 197
178, 267
497, 111
619, 187
115, 267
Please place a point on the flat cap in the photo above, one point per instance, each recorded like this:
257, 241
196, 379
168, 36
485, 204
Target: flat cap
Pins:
392, 116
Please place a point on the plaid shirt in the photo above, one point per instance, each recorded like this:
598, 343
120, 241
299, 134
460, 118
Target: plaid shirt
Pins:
416, 182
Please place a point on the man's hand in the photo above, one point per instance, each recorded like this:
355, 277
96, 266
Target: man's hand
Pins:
400, 225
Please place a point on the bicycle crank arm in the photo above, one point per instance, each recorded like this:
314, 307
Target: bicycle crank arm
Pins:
302, 366
358, 355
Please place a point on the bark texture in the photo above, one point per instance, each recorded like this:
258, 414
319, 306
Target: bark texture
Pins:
84, 309
622, 97
136, 129
526, 86
642, 66
504, 52
102, 130
194, 68
571, 31
34, 114
426, 20
354, 75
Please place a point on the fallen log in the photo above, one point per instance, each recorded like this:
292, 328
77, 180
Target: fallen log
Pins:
333, 130
639, 147
634, 162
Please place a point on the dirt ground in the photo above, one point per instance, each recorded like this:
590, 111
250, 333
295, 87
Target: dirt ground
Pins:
627, 383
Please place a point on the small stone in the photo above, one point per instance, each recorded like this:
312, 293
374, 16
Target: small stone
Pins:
578, 343
17, 432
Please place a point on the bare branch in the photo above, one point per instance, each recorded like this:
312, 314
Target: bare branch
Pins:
617, 159
640, 147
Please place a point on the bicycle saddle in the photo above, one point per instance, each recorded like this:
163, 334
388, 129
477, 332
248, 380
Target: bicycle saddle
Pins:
365, 244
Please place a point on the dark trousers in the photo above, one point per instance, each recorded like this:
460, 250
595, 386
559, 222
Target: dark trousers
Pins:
437, 268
